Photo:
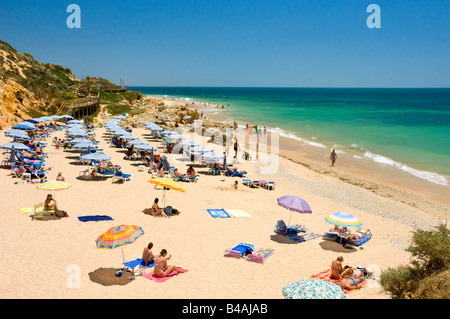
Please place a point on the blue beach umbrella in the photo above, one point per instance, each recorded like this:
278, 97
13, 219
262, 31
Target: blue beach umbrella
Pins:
16, 146
17, 133
96, 157
24, 126
145, 147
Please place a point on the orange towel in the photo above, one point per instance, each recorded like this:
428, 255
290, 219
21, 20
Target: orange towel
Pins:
325, 275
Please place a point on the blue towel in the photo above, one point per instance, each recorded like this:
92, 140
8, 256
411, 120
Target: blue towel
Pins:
218, 213
94, 218
140, 262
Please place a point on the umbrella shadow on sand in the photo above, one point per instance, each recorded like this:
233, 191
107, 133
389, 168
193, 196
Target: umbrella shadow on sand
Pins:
336, 247
281, 239
107, 277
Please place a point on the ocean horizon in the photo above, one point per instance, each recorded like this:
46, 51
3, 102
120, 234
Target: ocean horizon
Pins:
406, 128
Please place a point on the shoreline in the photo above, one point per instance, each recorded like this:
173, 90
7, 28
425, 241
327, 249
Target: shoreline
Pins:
384, 180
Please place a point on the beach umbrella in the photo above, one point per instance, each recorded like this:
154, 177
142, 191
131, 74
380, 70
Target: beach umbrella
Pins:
46, 118
175, 137
127, 136
16, 146
119, 236
83, 146
53, 186
126, 114
75, 122
189, 144
66, 117
212, 156
135, 142
145, 147
24, 126
313, 288
294, 204
343, 220
199, 149
17, 133
120, 117
79, 140
166, 183
96, 157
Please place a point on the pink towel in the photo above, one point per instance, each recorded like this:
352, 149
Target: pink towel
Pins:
162, 279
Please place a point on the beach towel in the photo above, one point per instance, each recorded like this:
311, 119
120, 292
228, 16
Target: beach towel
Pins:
94, 218
27, 210
218, 213
162, 279
304, 237
325, 275
138, 262
240, 250
261, 255
237, 213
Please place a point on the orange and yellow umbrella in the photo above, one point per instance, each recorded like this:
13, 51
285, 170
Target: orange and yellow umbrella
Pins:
167, 182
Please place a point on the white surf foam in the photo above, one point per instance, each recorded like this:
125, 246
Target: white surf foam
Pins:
429, 176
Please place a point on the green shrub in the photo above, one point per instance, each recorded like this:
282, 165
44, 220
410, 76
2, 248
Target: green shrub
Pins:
431, 253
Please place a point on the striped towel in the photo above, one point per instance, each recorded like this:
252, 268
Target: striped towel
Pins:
304, 237
325, 275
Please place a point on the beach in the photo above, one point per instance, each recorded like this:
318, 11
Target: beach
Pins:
48, 257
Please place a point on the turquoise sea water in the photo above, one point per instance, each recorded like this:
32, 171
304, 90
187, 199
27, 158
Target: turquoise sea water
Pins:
406, 128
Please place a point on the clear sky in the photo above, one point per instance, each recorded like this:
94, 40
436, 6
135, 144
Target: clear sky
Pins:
286, 43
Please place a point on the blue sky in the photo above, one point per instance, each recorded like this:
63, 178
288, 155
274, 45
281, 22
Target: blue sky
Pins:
310, 43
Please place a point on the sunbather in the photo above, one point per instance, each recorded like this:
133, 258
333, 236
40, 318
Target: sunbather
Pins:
336, 268
50, 203
161, 267
351, 282
177, 173
155, 210
191, 172
60, 177
147, 255
356, 236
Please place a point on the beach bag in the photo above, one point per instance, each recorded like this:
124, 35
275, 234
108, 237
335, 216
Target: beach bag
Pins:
168, 210
61, 213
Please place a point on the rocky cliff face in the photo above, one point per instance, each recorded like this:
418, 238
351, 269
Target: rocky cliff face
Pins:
29, 88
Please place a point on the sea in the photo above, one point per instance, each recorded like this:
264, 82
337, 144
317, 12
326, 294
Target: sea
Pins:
406, 128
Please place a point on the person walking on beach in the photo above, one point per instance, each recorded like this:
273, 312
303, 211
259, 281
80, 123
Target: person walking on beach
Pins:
333, 157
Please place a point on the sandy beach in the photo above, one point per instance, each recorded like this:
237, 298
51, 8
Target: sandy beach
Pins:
45, 256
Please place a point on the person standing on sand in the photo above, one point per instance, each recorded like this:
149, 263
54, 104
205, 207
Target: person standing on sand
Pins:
333, 157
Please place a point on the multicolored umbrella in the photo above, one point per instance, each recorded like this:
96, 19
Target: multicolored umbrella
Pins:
53, 186
343, 219
294, 203
313, 288
119, 236
126, 114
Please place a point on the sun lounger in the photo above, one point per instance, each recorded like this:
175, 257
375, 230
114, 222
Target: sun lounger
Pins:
246, 181
40, 212
120, 176
269, 186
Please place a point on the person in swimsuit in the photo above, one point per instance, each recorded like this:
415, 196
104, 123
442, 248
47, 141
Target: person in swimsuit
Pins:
161, 267
50, 203
155, 210
356, 236
352, 281
147, 255
333, 157
336, 268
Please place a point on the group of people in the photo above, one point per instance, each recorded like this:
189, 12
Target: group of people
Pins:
346, 277
349, 236
162, 269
